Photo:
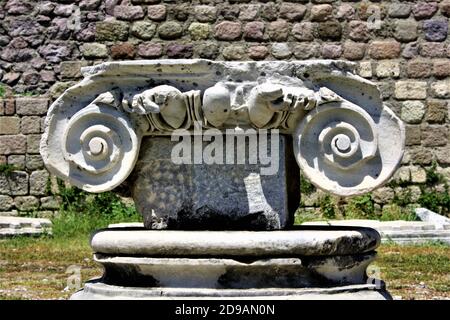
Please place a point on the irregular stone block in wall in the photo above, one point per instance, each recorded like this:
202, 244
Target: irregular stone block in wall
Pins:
216, 196
14, 184
9, 125
13, 144
31, 106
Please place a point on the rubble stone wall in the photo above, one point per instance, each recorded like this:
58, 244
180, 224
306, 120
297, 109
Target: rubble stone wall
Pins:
401, 45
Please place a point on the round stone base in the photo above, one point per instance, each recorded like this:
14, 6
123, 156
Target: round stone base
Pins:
304, 263
101, 291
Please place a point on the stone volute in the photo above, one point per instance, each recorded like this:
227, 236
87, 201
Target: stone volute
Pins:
119, 124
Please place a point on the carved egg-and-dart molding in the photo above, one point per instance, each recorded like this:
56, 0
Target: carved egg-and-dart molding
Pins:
346, 141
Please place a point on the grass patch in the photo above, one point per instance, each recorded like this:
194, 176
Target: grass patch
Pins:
82, 213
416, 272
37, 268
7, 169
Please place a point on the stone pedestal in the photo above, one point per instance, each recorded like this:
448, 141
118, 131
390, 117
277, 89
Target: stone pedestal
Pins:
114, 127
306, 263
224, 195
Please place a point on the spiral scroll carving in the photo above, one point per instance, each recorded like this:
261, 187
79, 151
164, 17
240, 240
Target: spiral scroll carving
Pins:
346, 140
101, 146
338, 148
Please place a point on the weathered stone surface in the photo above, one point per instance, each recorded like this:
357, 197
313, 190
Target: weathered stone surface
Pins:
157, 12
13, 144
418, 175
124, 50
234, 52
34, 162
22, 26
249, 12
199, 31
231, 274
331, 51
89, 4
306, 51
434, 135
150, 50
358, 31
345, 12
365, 69
278, 30
269, 11
71, 69
432, 50
321, 12
56, 52
212, 71
430, 216
437, 111
179, 51
258, 52
383, 195
38, 182
129, 13
441, 89
9, 125
94, 50
384, 49
412, 135
101, 291
419, 68
410, 90
303, 31
30, 124
441, 68
19, 226
14, 184
143, 30
111, 30
6, 203
26, 203
400, 232
420, 155
17, 160
205, 13
254, 31
281, 50
354, 50
422, 10
194, 201
388, 68
399, 10
413, 111
51, 202
445, 8
406, 30
330, 30
33, 142
207, 50
435, 30
292, 11
170, 30
228, 30
307, 241
443, 155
